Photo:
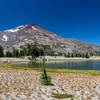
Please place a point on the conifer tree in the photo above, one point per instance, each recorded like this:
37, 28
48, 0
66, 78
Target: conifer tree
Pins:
68, 55
15, 53
8, 54
45, 79
1, 51
87, 56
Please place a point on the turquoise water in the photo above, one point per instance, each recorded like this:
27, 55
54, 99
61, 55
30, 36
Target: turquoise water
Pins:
82, 65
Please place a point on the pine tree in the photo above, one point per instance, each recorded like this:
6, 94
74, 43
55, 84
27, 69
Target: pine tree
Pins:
41, 52
68, 55
1, 51
34, 52
91, 53
8, 54
86, 56
72, 55
21, 53
15, 53
45, 79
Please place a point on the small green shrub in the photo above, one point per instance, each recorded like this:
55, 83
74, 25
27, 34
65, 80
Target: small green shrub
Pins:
94, 87
45, 79
61, 96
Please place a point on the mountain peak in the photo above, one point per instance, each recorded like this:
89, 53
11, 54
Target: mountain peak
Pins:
31, 33
16, 29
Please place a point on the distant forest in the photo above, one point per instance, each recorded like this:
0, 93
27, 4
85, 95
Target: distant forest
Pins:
34, 51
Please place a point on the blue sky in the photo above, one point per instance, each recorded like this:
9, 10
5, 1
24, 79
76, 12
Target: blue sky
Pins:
79, 19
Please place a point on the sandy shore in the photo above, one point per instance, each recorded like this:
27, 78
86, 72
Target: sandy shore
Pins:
61, 58
94, 58
18, 84
9, 59
48, 58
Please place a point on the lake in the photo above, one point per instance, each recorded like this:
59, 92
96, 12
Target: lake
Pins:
70, 64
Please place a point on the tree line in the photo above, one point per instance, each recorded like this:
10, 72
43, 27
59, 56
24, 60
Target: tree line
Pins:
35, 50
30, 50
69, 55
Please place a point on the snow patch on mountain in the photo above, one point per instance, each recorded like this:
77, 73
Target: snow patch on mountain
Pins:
22, 26
5, 38
12, 30
34, 28
15, 29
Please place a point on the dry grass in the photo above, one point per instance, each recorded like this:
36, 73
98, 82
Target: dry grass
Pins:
61, 96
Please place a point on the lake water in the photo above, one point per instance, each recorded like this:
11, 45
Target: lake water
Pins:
70, 64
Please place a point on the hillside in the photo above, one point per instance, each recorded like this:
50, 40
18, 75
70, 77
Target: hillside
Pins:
31, 33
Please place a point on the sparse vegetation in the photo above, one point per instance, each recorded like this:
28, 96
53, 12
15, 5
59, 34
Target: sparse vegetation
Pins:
45, 79
61, 96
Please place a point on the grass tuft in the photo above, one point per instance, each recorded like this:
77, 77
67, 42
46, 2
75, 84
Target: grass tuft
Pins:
61, 96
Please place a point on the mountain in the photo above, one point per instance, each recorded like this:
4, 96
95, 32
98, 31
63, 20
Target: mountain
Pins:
31, 33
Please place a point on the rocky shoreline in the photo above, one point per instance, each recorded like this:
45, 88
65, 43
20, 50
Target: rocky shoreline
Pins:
19, 84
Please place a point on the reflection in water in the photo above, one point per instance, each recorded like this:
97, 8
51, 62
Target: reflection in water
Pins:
85, 65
